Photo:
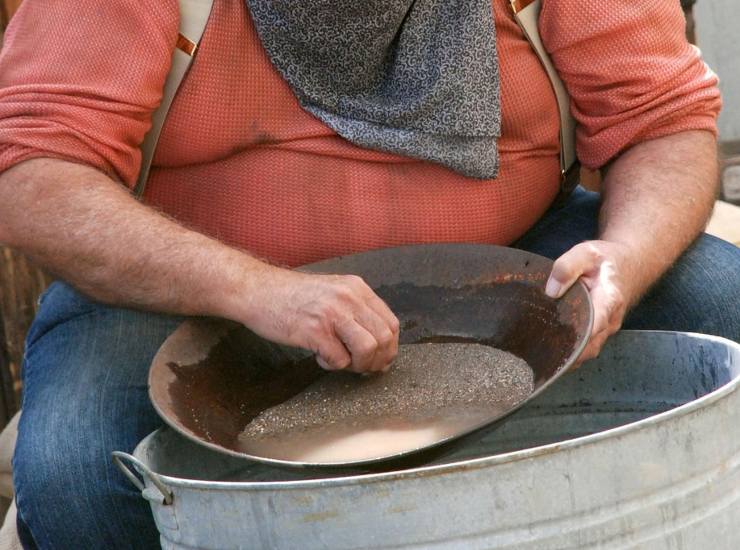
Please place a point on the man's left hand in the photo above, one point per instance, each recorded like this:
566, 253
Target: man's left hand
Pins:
609, 272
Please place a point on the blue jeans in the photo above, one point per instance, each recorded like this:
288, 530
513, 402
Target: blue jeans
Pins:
85, 389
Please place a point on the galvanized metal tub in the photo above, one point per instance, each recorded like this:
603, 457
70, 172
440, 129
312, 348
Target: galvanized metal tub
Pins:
637, 449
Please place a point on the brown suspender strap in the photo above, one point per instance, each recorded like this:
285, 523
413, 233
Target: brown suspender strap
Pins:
193, 19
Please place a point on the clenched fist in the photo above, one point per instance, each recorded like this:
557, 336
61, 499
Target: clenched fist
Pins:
338, 317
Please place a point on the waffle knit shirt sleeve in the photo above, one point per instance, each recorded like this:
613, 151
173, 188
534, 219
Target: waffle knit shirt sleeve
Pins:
631, 74
80, 80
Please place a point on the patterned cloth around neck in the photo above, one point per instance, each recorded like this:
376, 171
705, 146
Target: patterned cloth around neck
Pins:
413, 77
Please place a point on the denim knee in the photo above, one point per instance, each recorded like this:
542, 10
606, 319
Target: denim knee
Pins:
67, 494
698, 294
85, 395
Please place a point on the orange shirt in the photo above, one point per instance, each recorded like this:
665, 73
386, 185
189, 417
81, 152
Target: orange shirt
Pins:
240, 160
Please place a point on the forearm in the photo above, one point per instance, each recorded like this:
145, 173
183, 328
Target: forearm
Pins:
90, 231
87, 229
657, 198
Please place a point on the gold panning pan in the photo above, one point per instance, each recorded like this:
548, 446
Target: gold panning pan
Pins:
222, 386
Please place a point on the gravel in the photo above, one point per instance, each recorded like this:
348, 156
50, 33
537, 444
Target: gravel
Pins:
424, 379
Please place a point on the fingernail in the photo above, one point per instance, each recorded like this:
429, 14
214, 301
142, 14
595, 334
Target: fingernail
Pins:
552, 289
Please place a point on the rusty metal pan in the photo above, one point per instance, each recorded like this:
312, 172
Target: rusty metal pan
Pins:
211, 377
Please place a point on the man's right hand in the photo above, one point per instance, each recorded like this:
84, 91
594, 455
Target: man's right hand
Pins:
338, 317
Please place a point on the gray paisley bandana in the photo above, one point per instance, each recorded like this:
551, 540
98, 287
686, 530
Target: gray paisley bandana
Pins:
414, 77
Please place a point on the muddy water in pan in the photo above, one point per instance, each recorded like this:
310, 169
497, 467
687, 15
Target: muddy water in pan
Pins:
432, 392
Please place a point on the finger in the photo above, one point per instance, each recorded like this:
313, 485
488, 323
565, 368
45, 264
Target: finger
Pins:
602, 311
387, 341
596, 339
361, 345
376, 303
568, 267
599, 337
609, 308
332, 355
389, 320
385, 313
592, 349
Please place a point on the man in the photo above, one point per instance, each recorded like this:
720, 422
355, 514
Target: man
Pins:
251, 174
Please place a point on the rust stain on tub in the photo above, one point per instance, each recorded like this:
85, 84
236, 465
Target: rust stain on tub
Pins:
303, 499
401, 509
320, 516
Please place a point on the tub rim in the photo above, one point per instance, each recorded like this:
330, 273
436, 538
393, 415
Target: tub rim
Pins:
719, 394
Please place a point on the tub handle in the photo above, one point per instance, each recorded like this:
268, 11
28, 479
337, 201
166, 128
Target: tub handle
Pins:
119, 459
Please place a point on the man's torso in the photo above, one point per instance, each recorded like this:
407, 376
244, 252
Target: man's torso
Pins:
239, 159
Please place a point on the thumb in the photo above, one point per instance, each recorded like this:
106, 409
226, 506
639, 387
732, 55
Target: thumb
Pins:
569, 267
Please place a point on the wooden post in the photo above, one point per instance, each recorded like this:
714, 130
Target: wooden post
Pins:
20, 285
11, 6
7, 9
8, 395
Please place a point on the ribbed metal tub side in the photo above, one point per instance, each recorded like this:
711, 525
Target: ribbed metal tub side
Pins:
603, 467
